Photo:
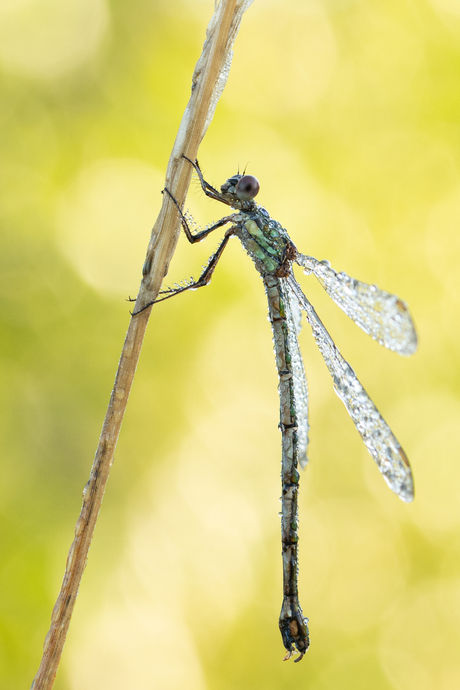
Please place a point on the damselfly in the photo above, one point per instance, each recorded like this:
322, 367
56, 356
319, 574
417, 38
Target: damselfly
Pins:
381, 315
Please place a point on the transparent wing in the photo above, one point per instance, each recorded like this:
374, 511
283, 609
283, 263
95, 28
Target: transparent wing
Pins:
380, 314
299, 380
375, 432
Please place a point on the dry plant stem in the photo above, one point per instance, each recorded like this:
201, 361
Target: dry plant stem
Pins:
208, 81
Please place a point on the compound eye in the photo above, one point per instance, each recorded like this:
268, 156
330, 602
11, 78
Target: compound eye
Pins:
247, 188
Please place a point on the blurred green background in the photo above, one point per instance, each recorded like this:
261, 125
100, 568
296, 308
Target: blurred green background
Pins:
348, 112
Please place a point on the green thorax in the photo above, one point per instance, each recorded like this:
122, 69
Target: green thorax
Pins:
264, 239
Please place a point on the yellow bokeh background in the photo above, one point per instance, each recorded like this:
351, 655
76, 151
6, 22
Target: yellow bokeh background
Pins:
348, 112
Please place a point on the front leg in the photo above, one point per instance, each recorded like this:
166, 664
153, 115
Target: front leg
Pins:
207, 188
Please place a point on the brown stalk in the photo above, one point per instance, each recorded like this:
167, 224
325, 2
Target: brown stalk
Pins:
207, 84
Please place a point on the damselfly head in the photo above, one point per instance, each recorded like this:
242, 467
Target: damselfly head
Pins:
247, 188
242, 187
